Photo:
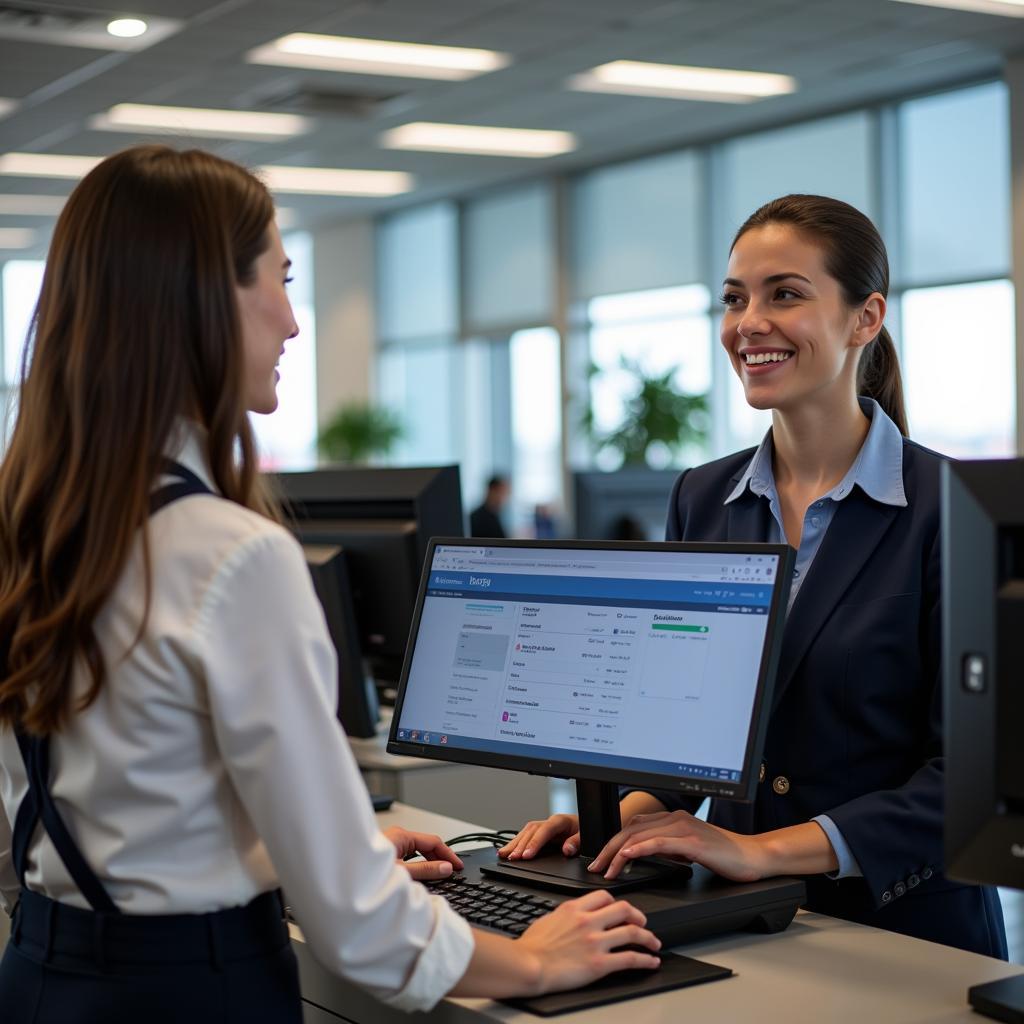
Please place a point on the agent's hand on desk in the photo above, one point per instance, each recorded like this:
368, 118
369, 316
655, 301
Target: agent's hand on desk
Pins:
535, 835
440, 861
680, 836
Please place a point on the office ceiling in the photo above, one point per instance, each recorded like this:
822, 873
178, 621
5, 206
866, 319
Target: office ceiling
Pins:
842, 52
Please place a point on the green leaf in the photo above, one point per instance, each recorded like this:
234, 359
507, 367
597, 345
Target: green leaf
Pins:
358, 431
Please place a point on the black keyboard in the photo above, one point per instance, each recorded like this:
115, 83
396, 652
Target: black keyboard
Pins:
491, 905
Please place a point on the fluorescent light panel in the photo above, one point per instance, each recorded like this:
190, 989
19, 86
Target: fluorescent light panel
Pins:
225, 124
1007, 8
377, 57
677, 81
467, 138
47, 165
16, 238
6, 106
330, 181
31, 206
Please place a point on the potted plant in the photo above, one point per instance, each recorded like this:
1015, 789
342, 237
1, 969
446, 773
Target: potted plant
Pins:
658, 414
357, 431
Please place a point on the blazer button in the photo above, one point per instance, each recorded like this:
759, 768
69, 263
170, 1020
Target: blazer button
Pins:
781, 785
912, 881
899, 889
886, 896
761, 773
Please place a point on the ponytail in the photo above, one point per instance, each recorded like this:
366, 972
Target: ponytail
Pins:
878, 377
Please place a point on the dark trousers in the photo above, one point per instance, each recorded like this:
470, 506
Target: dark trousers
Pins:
63, 965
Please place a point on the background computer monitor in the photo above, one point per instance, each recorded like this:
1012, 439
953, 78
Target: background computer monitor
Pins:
983, 664
357, 695
982, 667
383, 520
628, 504
610, 663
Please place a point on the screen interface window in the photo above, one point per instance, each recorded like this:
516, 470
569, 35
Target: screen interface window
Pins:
646, 661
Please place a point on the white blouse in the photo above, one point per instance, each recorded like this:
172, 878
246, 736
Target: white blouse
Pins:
212, 768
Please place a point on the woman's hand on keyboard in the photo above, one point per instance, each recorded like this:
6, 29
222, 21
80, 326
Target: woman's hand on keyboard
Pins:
440, 860
535, 835
580, 941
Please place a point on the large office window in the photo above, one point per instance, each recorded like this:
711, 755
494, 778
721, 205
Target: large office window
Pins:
509, 259
652, 331
19, 292
955, 197
957, 357
956, 326
536, 386
421, 383
419, 369
637, 258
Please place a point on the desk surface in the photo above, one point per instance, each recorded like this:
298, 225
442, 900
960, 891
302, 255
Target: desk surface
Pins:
819, 969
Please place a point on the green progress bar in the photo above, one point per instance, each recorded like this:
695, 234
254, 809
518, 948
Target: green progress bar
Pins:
672, 627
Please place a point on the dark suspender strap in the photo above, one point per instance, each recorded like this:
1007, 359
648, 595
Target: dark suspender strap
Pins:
186, 483
38, 804
35, 752
24, 826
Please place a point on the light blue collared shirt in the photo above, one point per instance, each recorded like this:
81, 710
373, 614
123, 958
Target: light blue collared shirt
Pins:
878, 471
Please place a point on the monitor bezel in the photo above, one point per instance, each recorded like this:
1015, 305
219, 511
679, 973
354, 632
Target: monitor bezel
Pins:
744, 790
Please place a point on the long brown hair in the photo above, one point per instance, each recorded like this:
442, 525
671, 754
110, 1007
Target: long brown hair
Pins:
855, 256
137, 326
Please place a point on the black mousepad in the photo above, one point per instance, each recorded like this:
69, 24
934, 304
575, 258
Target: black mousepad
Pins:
675, 972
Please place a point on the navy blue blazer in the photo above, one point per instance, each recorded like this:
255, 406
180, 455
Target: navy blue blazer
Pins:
855, 724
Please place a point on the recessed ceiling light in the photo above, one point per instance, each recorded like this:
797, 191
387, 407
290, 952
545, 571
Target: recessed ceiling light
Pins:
330, 181
31, 206
1007, 8
377, 57
677, 81
16, 238
127, 28
468, 138
47, 165
240, 124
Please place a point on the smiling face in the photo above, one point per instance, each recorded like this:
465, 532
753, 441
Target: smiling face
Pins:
791, 336
267, 322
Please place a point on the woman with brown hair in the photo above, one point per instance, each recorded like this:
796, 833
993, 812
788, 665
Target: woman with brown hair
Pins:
852, 778
167, 682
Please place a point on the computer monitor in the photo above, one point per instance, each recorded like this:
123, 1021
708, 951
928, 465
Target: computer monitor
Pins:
610, 663
982, 663
357, 695
628, 504
383, 519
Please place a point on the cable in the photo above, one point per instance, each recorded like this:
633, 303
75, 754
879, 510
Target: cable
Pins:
496, 839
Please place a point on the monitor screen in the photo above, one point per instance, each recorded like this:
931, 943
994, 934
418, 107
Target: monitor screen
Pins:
642, 663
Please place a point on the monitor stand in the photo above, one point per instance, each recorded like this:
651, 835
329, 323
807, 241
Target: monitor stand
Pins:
598, 806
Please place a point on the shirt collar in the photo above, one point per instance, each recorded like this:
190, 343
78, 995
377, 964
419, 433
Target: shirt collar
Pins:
187, 445
877, 469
